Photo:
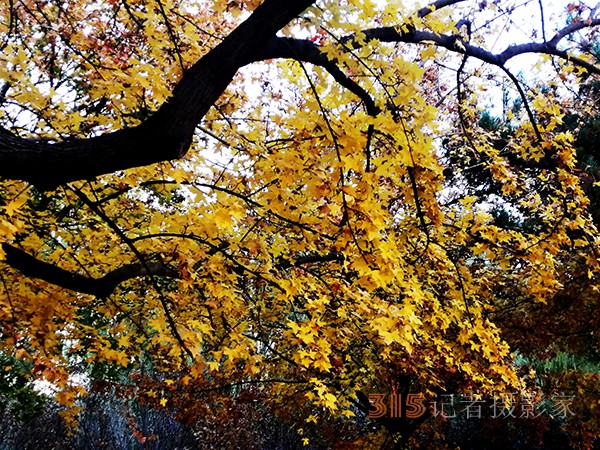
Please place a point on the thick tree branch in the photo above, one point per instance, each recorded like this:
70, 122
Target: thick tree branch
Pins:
101, 287
450, 42
164, 136
574, 26
32, 267
307, 51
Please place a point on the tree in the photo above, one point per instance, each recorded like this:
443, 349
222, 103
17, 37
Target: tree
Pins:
301, 229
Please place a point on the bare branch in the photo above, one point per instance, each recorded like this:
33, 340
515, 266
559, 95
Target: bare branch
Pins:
571, 28
540, 2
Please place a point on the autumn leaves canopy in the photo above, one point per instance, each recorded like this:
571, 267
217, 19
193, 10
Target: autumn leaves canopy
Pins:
207, 186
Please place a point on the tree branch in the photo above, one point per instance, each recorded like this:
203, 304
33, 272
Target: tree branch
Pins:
168, 133
101, 287
426, 10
